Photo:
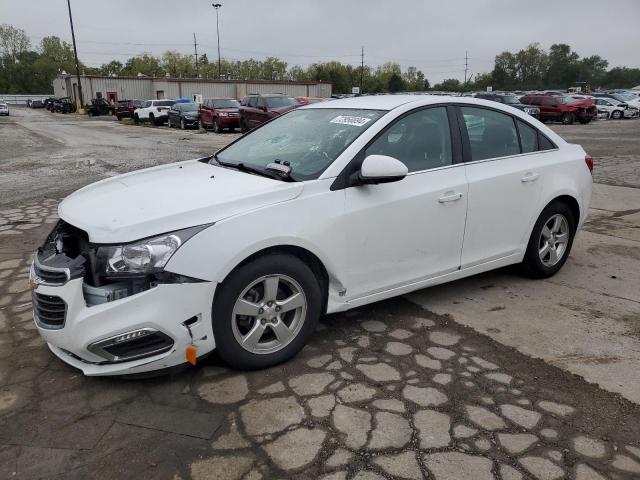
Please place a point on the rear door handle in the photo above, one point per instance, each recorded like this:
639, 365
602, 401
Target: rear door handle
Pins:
450, 197
530, 177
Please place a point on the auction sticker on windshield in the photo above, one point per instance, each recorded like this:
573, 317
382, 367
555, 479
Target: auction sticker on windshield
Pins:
351, 120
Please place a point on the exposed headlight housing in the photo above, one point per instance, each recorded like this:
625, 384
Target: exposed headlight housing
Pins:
142, 257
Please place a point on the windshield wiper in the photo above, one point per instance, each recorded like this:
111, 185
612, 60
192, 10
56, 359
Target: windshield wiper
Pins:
243, 167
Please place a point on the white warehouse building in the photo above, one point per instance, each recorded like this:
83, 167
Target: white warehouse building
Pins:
147, 88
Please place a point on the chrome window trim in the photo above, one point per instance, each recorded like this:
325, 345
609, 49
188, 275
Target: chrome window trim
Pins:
493, 159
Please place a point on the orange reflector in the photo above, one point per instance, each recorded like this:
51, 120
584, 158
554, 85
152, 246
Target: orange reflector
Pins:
191, 354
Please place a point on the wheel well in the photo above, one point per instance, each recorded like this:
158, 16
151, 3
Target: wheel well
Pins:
572, 203
310, 259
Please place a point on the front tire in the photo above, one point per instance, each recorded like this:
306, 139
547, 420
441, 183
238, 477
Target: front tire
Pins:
616, 114
182, 125
136, 119
550, 242
216, 126
567, 118
265, 311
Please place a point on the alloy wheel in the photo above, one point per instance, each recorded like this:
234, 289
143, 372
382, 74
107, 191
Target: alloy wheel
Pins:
269, 314
554, 239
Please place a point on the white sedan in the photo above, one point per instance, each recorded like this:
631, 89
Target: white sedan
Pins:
329, 207
615, 109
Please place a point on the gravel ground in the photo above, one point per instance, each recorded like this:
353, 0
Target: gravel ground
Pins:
391, 390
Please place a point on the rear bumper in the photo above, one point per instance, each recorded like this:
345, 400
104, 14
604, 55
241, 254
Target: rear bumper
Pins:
163, 308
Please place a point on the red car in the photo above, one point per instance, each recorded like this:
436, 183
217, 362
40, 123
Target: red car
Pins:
562, 109
255, 109
219, 113
125, 108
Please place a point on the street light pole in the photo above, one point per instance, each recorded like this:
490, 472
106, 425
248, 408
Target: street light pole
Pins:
217, 7
75, 53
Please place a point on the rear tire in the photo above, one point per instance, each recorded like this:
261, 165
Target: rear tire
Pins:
544, 257
287, 275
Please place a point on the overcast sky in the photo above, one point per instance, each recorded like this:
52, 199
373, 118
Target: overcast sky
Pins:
431, 35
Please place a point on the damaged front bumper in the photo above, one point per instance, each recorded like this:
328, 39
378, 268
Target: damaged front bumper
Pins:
143, 332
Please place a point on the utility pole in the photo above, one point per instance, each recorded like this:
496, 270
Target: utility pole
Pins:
217, 7
361, 69
195, 47
466, 66
75, 53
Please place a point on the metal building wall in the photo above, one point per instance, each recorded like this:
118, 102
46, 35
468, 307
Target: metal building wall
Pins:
145, 88
125, 88
208, 89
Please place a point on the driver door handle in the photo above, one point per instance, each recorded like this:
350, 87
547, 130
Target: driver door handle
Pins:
450, 197
530, 177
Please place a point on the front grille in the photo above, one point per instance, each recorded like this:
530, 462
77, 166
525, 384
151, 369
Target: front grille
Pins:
49, 311
49, 276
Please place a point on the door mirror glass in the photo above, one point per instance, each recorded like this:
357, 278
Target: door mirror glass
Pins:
381, 169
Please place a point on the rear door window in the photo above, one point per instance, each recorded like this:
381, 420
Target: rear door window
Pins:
491, 134
528, 137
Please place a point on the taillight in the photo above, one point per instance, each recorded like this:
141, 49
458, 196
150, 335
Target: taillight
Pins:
589, 161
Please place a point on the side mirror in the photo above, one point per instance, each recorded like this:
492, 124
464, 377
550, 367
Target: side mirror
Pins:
381, 169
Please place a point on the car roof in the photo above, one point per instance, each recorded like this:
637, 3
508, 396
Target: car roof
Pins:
379, 102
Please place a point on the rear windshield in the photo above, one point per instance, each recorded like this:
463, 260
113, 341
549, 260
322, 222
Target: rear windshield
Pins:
277, 102
164, 103
226, 104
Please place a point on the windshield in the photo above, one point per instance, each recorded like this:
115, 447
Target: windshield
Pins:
623, 97
510, 99
566, 100
277, 102
226, 104
189, 107
310, 140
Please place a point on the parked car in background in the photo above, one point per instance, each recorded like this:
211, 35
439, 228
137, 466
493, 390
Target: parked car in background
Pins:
64, 105
4, 109
615, 109
99, 106
562, 108
309, 100
37, 104
244, 251
627, 98
153, 111
125, 108
220, 113
512, 101
184, 115
256, 109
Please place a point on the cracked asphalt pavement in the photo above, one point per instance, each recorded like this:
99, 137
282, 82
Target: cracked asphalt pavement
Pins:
492, 377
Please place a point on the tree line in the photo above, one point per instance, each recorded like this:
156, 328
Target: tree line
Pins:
28, 69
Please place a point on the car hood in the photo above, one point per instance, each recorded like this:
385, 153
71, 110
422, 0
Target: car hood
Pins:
169, 197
